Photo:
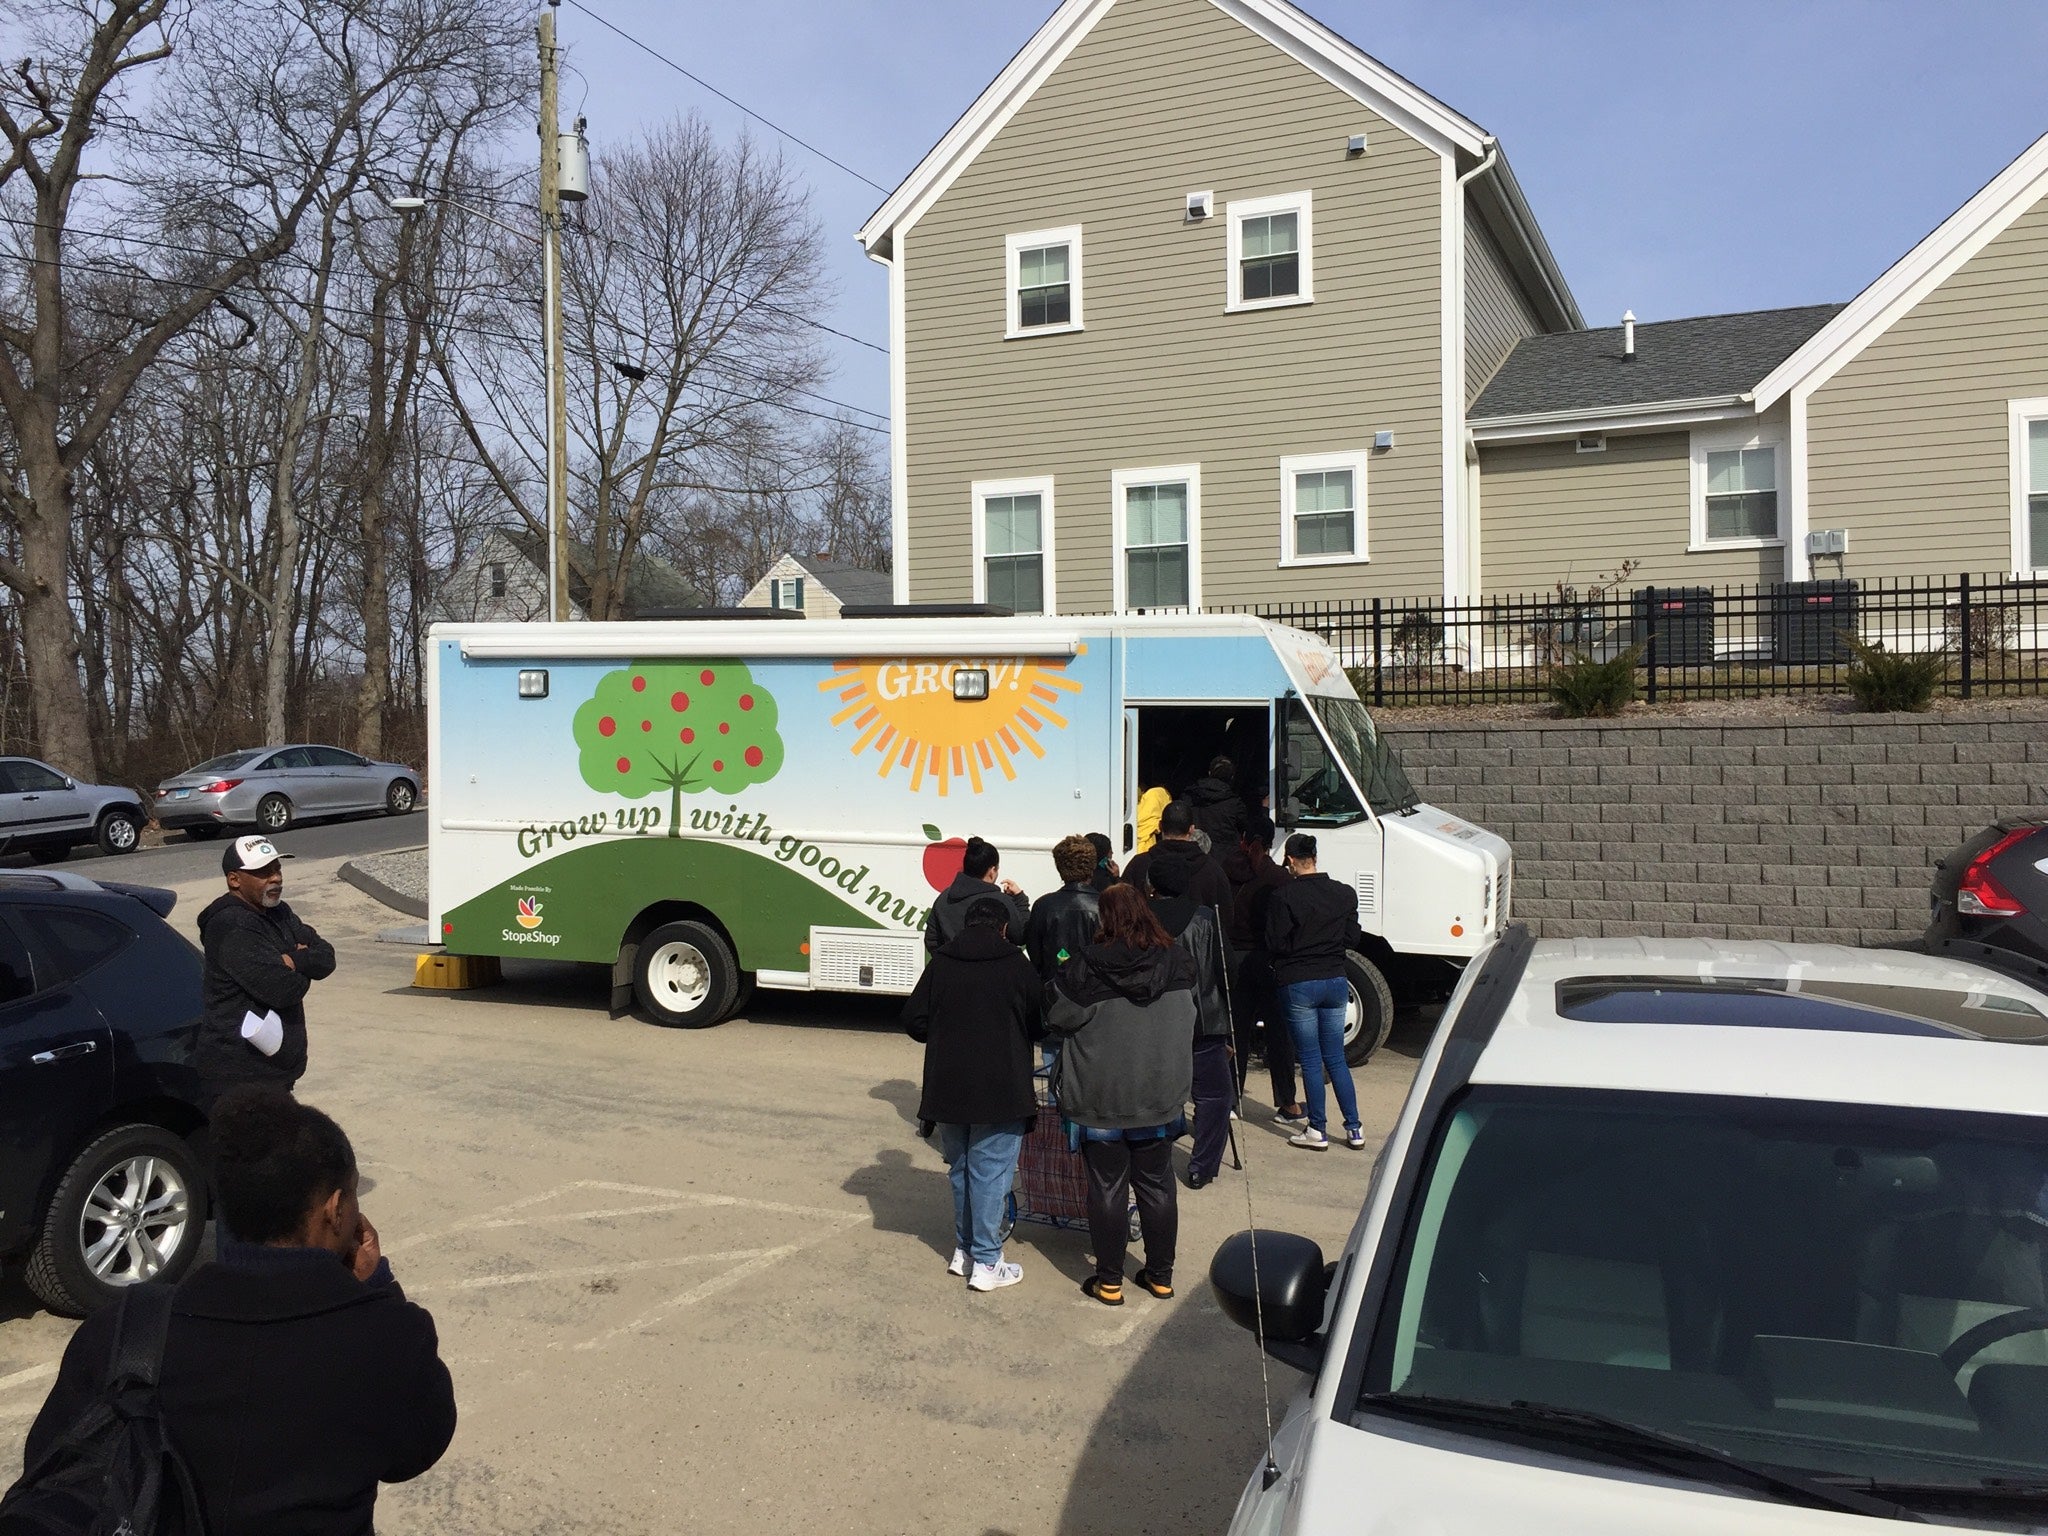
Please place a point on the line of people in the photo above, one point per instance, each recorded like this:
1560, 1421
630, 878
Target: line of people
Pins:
1148, 986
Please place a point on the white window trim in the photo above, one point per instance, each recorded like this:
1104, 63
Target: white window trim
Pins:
1120, 481
1302, 203
1030, 485
1013, 248
2020, 413
1704, 443
1309, 463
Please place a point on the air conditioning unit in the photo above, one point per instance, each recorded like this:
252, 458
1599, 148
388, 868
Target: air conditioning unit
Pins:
1201, 205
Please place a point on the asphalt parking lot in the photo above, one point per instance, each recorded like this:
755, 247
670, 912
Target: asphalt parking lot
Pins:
696, 1280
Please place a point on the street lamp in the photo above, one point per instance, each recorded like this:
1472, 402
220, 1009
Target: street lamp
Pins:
551, 349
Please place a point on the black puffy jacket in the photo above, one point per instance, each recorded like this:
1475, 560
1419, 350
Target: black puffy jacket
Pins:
1219, 811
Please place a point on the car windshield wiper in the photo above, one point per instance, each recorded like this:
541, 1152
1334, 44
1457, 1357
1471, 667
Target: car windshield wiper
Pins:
1640, 1444
1990, 1490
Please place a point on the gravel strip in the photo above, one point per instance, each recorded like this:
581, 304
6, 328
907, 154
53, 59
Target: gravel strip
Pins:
404, 871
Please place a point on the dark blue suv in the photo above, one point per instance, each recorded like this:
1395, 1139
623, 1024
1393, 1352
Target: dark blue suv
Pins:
100, 1183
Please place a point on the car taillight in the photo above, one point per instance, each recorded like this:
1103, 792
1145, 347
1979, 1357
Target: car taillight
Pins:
1979, 895
218, 786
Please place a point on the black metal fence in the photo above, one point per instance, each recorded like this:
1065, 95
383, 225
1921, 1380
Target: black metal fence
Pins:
1690, 642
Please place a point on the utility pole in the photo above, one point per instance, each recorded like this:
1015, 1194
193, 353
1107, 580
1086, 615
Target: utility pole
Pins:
551, 324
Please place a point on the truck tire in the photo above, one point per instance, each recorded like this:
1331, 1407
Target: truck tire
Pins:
685, 977
1371, 1013
79, 1263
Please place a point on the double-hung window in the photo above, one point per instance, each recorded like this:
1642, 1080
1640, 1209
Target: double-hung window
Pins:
1013, 546
1158, 537
1736, 492
1044, 282
1322, 508
786, 592
2030, 485
1271, 251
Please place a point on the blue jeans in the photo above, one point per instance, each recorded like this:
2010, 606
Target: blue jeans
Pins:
983, 1162
1315, 1017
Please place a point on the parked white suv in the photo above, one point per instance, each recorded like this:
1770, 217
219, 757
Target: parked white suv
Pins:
1683, 1236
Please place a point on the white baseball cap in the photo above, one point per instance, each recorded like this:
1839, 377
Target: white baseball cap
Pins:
247, 853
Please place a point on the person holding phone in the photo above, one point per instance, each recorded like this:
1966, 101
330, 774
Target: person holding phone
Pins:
296, 1377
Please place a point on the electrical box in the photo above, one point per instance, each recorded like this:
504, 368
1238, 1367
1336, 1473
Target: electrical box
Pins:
1827, 541
572, 165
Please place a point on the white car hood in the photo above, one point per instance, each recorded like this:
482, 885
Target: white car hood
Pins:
1416, 1480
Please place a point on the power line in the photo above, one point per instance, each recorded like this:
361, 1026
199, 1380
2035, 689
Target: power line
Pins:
663, 58
343, 309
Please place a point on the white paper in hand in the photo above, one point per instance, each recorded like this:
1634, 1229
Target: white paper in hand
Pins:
265, 1031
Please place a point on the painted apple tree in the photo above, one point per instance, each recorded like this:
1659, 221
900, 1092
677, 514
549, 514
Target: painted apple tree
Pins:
685, 727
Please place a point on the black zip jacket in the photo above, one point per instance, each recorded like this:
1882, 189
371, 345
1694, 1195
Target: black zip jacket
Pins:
949, 913
1062, 925
1206, 880
1310, 922
1195, 929
245, 973
1128, 1016
290, 1387
1219, 811
976, 1010
1252, 884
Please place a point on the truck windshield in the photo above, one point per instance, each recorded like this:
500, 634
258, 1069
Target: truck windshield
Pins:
1848, 1294
1373, 764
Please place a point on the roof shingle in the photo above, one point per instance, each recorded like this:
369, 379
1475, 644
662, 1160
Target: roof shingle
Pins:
1698, 358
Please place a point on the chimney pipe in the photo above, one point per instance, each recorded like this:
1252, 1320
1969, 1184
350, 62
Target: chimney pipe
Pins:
1628, 336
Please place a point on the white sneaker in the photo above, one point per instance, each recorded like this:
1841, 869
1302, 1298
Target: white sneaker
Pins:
1311, 1138
958, 1267
1354, 1138
993, 1277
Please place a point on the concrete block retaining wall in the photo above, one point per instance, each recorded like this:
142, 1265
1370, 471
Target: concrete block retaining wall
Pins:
1808, 827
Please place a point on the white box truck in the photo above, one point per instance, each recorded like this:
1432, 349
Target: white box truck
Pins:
709, 806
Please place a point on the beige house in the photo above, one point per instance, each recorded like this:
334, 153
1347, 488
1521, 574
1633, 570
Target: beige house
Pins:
817, 586
1279, 327
1902, 434
1187, 309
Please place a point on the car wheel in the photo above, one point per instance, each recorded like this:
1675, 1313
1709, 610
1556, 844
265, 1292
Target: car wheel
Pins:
400, 798
119, 832
685, 976
130, 1209
1368, 1012
202, 832
273, 813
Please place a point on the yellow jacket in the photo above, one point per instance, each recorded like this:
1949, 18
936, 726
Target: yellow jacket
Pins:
1150, 804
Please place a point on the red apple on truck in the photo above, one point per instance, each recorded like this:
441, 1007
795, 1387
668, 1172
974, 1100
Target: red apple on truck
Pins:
942, 860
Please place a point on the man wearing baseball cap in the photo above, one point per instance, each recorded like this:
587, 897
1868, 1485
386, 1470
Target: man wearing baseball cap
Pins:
261, 960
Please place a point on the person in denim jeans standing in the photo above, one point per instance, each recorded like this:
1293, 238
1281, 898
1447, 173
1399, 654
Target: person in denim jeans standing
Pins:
976, 1010
1310, 922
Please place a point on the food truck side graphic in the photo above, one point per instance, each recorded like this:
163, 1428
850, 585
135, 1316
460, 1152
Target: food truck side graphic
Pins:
711, 806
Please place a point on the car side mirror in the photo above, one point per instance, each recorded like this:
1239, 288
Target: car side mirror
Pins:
1289, 1284
71, 783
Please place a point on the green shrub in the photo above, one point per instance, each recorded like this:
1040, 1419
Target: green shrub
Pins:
1587, 687
1885, 681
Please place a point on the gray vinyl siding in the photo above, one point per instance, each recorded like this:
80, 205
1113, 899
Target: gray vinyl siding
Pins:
1497, 313
1550, 514
1163, 98
1909, 446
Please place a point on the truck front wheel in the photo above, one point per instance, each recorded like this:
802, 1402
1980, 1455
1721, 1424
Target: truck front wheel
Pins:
685, 976
1369, 1012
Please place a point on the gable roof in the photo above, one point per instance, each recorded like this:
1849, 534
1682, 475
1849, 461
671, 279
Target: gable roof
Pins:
1705, 360
651, 585
1399, 100
851, 584
1913, 276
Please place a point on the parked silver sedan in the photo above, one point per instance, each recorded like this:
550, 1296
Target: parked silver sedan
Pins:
271, 787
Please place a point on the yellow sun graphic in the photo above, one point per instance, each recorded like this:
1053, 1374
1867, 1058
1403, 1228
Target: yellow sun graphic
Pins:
906, 714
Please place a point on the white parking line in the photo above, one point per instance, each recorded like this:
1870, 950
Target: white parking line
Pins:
585, 1272
29, 1377
670, 1200
696, 1293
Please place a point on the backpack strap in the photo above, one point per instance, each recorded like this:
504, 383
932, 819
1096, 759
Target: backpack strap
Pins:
139, 1335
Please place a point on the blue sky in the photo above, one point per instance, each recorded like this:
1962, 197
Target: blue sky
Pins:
1682, 158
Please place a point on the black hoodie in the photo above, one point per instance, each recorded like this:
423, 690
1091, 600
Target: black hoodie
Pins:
1219, 811
245, 973
1129, 1018
976, 1011
949, 913
1206, 881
